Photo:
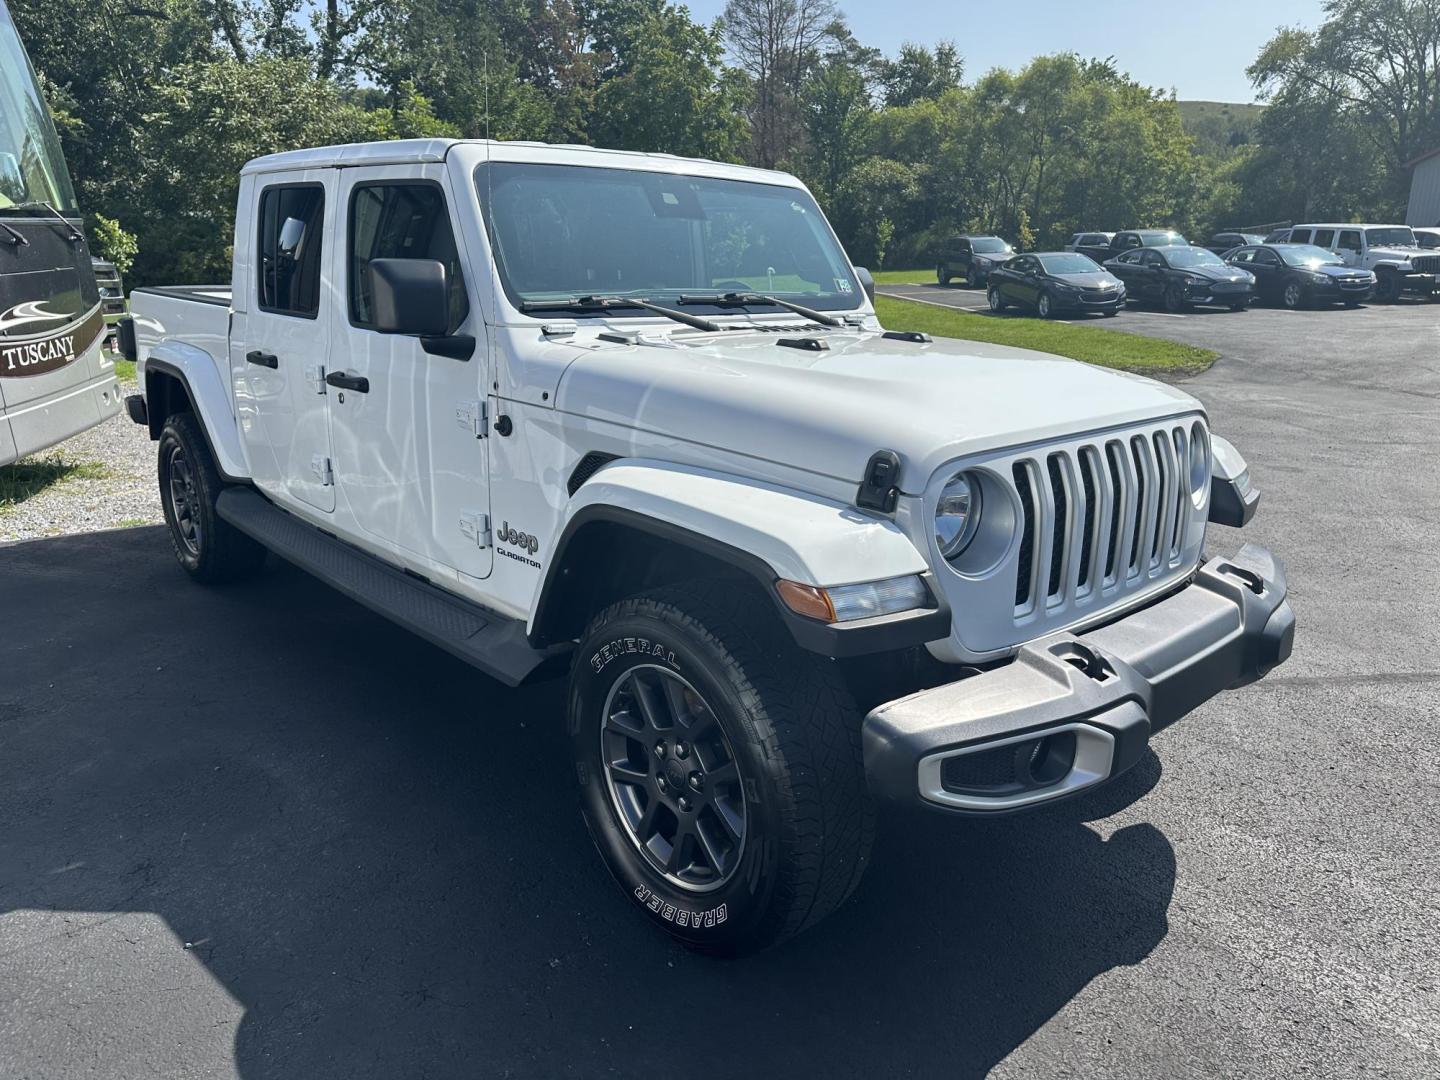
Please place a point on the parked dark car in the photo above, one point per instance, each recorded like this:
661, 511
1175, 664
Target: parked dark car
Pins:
112, 300
970, 258
1223, 242
1182, 277
1097, 241
1130, 239
1300, 275
1050, 282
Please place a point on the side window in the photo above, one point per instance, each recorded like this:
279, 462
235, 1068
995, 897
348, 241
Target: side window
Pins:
1349, 240
1151, 258
1130, 240
963, 246
1246, 256
1299, 236
401, 221
1267, 258
291, 227
1324, 238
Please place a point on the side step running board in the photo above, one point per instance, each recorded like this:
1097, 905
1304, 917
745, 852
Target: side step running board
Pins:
496, 644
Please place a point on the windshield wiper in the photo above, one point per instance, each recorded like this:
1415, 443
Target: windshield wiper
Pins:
14, 237
737, 299
608, 303
74, 235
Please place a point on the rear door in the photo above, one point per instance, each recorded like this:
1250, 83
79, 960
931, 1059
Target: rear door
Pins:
1348, 246
410, 460
279, 339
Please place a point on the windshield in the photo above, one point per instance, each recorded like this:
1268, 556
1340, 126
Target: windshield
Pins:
1165, 239
990, 245
1390, 236
1068, 264
31, 168
1182, 257
1309, 255
565, 231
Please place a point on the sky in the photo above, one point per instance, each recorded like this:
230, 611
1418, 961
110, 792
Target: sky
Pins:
1199, 49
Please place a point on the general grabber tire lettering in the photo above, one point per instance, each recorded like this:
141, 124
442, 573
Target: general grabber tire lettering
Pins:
775, 831
209, 548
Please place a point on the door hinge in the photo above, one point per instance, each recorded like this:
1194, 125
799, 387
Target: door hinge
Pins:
474, 417
315, 376
475, 526
324, 472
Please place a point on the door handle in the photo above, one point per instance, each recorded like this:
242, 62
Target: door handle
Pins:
358, 383
264, 359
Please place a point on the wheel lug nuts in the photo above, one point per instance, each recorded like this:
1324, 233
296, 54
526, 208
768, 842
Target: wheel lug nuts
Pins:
662, 783
660, 749
681, 750
684, 804
696, 781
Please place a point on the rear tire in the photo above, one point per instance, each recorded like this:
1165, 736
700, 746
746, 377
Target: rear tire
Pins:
719, 767
207, 547
942, 275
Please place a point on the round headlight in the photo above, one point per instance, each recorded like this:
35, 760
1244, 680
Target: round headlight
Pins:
1199, 462
957, 515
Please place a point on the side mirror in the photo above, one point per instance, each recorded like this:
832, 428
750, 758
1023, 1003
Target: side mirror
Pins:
409, 296
866, 282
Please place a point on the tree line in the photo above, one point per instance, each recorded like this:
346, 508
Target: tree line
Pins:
159, 103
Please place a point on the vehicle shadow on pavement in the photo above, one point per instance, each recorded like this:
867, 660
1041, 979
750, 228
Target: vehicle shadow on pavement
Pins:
378, 856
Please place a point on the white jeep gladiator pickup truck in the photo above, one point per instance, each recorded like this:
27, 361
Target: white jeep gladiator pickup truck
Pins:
633, 416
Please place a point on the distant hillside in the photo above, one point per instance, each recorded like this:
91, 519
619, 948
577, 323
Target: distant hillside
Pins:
1219, 126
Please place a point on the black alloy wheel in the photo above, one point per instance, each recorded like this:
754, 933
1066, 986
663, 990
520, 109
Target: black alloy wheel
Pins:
182, 501
207, 547
673, 781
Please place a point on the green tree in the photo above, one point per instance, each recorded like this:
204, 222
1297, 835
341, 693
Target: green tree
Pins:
661, 83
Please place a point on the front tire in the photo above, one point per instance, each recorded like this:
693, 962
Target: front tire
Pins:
1293, 297
972, 277
1045, 306
207, 547
1175, 300
942, 275
997, 302
719, 767
1387, 288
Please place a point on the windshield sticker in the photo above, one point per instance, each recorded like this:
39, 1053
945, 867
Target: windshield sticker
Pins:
843, 284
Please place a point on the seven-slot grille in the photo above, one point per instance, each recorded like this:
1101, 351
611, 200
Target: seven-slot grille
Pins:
1104, 516
1426, 264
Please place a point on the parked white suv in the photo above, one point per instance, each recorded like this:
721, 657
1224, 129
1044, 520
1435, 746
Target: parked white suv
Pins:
1391, 251
633, 417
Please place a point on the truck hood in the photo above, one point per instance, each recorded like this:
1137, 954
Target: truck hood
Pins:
828, 411
1393, 254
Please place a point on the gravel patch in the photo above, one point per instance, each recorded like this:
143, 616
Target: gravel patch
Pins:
114, 488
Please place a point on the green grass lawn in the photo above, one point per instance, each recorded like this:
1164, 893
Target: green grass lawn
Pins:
905, 277
1108, 348
124, 370
26, 479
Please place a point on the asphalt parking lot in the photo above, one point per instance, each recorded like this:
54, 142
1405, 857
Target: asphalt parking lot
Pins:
258, 832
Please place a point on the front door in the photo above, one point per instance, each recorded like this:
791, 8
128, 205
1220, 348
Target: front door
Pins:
410, 458
279, 338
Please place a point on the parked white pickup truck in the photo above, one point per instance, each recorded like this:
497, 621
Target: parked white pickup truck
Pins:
634, 414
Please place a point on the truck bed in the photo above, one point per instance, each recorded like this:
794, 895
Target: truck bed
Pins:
198, 315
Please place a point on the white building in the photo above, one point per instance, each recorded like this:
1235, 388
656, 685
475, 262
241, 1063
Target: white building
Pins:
1424, 190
